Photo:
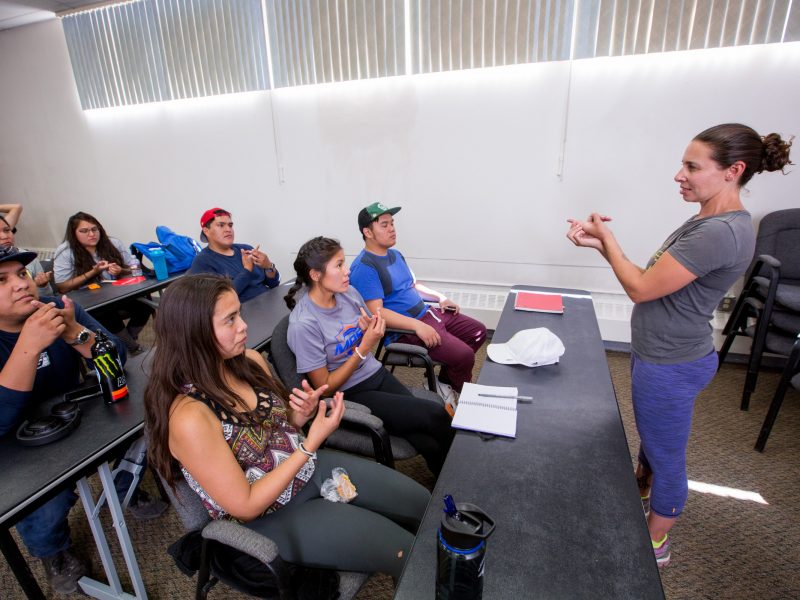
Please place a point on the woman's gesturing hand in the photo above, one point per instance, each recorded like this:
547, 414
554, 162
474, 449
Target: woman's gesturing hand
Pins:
304, 402
376, 327
589, 233
326, 422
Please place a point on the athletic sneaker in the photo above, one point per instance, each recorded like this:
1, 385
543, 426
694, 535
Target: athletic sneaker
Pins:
449, 395
147, 507
661, 550
63, 571
646, 504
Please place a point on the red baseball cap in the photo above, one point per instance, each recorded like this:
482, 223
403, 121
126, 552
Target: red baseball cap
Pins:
209, 216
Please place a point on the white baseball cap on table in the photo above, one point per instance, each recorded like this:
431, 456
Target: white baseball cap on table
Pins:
529, 347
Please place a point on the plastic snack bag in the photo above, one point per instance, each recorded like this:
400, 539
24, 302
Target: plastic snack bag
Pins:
339, 488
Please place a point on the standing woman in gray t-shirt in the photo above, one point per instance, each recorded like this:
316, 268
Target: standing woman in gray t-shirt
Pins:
672, 354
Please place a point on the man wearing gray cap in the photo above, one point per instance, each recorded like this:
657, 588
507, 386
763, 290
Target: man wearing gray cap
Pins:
386, 282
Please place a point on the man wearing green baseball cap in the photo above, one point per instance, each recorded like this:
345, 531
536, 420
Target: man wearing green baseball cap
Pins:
386, 282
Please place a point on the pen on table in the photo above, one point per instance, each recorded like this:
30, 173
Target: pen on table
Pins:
520, 398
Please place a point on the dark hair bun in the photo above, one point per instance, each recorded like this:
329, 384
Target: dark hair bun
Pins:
776, 153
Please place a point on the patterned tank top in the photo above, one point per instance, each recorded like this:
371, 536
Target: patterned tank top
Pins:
258, 449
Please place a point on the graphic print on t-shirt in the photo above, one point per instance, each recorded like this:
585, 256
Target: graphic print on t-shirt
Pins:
349, 336
44, 360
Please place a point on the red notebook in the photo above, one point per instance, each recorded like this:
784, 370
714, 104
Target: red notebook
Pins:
549, 303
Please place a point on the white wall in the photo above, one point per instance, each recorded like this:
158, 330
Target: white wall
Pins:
472, 156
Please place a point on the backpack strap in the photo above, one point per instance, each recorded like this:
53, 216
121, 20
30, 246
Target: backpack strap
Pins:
386, 279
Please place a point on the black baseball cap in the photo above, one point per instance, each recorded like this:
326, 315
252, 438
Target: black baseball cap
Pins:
9, 253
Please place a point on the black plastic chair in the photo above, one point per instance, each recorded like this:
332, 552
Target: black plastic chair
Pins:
360, 432
397, 354
790, 377
770, 297
220, 536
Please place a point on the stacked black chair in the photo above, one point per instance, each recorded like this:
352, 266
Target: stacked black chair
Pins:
790, 377
768, 309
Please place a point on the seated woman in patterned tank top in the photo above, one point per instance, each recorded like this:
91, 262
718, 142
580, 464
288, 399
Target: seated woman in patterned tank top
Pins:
217, 418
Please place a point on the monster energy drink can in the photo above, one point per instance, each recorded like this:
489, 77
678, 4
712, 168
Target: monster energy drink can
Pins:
108, 367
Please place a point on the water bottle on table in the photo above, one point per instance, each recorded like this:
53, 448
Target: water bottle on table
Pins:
461, 551
159, 260
108, 367
136, 267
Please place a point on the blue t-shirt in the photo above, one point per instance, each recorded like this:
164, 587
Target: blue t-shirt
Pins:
58, 370
388, 278
326, 337
248, 284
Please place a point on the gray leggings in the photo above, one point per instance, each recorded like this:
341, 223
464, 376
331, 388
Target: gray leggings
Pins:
373, 533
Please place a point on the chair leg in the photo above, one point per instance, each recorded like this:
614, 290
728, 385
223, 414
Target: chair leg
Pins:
749, 385
774, 407
726, 346
204, 582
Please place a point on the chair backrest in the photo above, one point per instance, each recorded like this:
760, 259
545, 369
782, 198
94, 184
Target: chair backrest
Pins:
282, 356
187, 504
779, 236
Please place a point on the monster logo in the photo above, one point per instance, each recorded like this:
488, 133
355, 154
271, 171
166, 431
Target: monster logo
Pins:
111, 370
106, 365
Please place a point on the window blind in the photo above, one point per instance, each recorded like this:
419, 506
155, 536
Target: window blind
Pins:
155, 50
467, 34
323, 41
621, 27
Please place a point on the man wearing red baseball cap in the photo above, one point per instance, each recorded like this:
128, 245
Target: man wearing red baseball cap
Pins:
250, 269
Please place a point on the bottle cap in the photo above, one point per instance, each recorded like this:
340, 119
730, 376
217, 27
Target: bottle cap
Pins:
468, 528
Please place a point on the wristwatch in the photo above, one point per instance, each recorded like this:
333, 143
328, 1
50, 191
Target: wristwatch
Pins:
81, 338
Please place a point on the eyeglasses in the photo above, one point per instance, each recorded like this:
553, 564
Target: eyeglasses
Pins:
88, 230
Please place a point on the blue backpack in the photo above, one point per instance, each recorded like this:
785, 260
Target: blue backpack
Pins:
179, 250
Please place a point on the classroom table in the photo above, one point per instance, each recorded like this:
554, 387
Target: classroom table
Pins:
563, 492
30, 476
108, 293
262, 314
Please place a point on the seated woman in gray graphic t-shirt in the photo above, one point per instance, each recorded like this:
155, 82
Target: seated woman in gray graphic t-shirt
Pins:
332, 333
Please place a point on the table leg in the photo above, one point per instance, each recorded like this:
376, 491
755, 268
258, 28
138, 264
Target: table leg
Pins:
19, 567
112, 590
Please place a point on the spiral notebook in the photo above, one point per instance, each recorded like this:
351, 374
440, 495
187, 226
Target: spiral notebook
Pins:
497, 416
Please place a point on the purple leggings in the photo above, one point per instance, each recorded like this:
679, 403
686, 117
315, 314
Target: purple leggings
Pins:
663, 401
461, 337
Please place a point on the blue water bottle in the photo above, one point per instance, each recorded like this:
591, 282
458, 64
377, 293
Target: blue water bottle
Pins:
461, 551
159, 260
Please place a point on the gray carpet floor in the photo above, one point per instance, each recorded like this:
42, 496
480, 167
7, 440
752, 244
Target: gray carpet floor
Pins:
723, 546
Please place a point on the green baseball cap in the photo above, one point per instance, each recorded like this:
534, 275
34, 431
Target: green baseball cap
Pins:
372, 212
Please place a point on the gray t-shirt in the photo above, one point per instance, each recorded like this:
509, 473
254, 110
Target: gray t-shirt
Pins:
326, 337
64, 261
676, 328
34, 268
